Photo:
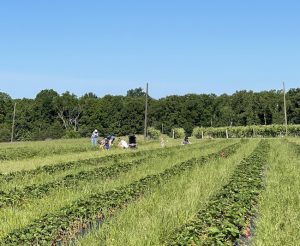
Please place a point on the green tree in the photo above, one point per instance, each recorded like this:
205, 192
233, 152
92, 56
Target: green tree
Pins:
68, 110
137, 92
293, 97
6, 107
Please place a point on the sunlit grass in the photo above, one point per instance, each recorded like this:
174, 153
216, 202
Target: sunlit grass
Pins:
13, 218
279, 217
43, 177
153, 217
148, 220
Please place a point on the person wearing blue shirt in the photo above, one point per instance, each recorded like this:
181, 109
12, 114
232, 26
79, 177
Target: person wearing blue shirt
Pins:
94, 136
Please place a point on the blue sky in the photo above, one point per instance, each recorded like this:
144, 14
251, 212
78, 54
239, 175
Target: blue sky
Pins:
179, 47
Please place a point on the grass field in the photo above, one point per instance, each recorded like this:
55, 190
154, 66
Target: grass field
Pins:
212, 192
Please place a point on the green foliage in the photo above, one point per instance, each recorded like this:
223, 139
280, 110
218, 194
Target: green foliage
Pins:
6, 107
153, 133
277, 222
51, 113
53, 227
21, 153
5, 133
178, 132
16, 196
69, 133
228, 213
137, 92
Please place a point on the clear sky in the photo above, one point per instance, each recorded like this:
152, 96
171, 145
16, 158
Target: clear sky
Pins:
108, 47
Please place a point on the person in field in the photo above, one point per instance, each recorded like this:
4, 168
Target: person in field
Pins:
101, 144
94, 137
162, 142
123, 144
186, 140
111, 138
132, 141
107, 144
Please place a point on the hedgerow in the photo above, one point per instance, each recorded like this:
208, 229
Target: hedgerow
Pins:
153, 133
246, 131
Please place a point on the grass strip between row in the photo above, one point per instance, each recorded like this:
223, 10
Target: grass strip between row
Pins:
227, 215
295, 147
16, 197
68, 222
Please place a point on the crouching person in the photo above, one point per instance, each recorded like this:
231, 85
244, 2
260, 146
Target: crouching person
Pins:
101, 144
123, 144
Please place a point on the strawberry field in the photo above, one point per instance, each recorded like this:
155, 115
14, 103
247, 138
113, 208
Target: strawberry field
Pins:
211, 192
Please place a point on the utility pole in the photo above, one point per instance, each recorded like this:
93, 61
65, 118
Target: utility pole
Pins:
285, 114
13, 124
146, 112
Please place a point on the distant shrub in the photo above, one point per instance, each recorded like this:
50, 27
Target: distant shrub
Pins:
153, 133
5, 133
24, 135
178, 132
86, 131
197, 132
53, 131
71, 134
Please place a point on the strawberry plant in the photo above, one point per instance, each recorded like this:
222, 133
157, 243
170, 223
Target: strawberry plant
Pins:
70, 220
51, 169
227, 214
20, 153
16, 196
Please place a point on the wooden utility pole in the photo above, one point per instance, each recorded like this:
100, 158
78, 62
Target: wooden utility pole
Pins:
13, 123
146, 113
285, 114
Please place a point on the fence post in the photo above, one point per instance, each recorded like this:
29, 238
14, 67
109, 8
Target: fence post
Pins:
226, 133
202, 134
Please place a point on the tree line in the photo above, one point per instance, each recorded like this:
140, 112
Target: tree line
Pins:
54, 115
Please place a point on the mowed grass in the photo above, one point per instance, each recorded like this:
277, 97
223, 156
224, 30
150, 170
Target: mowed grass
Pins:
16, 217
153, 217
279, 211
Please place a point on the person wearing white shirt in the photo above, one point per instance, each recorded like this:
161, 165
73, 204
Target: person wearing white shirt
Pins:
122, 144
94, 136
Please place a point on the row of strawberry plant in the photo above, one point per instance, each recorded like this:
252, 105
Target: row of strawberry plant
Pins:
51, 169
68, 222
227, 215
295, 147
21, 153
16, 197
